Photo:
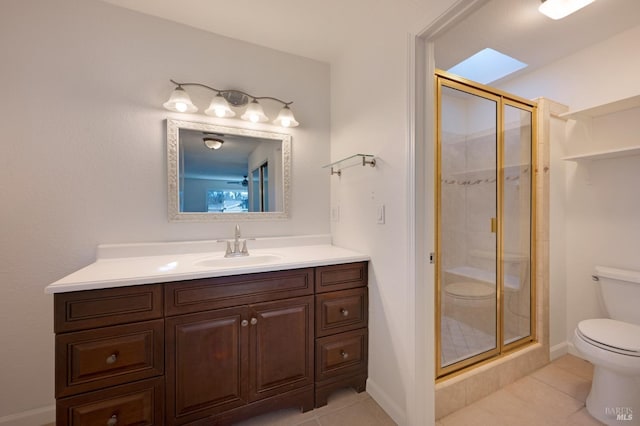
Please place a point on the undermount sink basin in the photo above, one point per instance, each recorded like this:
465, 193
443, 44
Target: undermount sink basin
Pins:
231, 262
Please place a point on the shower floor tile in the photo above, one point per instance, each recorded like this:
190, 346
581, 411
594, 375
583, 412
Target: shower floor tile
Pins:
460, 341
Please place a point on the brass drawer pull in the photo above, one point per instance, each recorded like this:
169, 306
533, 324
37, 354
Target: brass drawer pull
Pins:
344, 354
113, 420
344, 312
111, 359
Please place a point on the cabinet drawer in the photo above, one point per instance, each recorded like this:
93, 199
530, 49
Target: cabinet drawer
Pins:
140, 404
81, 310
93, 359
341, 311
341, 277
222, 292
339, 354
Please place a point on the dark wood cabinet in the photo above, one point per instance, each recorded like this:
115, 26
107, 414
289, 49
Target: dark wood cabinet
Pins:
341, 329
210, 351
207, 363
140, 403
94, 359
227, 358
281, 357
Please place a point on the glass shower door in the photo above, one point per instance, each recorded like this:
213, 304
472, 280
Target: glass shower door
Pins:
517, 222
467, 229
485, 195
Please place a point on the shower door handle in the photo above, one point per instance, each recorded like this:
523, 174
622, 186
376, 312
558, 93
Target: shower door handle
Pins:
494, 225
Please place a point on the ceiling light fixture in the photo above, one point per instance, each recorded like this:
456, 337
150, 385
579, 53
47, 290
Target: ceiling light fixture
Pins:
558, 9
221, 104
213, 143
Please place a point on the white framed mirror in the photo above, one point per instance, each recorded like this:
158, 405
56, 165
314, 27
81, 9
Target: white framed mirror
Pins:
226, 173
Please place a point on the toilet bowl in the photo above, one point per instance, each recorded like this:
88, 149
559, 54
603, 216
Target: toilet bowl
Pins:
613, 347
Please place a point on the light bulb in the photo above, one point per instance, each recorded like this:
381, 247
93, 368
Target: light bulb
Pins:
180, 101
219, 107
254, 113
286, 118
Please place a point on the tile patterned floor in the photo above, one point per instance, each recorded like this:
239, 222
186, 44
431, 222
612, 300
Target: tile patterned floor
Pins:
553, 396
345, 408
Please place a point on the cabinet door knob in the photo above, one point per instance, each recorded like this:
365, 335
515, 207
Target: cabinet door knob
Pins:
344, 312
113, 421
254, 321
111, 359
344, 354
244, 323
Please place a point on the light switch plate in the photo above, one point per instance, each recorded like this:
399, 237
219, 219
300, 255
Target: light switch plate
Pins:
381, 214
335, 214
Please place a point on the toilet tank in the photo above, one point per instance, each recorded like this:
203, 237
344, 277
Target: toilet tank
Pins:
620, 290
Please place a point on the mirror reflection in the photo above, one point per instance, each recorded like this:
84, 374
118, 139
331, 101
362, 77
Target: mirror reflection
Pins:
218, 172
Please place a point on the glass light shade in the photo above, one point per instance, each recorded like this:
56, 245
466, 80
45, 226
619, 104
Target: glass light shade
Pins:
254, 113
219, 107
558, 9
213, 143
179, 101
286, 118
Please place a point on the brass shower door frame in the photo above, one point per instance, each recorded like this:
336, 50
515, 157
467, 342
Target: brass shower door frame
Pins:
502, 99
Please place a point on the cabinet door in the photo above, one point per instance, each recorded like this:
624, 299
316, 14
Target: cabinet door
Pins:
281, 346
207, 363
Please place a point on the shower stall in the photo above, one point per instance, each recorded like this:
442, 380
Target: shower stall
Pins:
485, 195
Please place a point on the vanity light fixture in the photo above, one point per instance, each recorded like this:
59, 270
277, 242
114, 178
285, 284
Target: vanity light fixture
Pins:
221, 104
558, 9
180, 101
213, 143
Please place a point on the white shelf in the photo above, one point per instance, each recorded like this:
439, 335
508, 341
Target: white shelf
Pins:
364, 160
608, 108
601, 155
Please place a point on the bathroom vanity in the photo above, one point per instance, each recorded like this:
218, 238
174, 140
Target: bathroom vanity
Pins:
209, 346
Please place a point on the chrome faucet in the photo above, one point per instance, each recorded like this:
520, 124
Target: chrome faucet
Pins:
236, 250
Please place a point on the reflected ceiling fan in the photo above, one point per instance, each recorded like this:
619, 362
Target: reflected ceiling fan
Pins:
244, 182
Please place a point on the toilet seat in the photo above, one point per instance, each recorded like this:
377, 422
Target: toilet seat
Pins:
611, 335
469, 290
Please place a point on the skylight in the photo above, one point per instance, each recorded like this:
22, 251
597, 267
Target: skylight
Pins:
486, 66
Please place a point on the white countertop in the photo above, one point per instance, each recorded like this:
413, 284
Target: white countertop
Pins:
122, 265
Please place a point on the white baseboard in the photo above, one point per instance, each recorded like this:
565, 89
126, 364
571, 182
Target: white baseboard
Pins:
573, 351
564, 348
39, 416
558, 350
390, 407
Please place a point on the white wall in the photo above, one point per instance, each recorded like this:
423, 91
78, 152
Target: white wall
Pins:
601, 203
557, 240
83, 153
370, 115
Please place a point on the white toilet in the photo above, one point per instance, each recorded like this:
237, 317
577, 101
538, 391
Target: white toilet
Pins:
612, 345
